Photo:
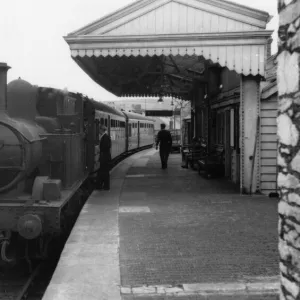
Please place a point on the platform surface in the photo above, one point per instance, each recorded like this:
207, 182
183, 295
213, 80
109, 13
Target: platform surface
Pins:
169, 234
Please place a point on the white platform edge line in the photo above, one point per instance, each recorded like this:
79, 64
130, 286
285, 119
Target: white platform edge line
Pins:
259, 287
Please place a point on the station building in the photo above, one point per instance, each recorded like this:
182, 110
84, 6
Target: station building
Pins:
213, 53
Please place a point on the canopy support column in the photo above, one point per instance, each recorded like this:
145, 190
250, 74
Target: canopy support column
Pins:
250, 134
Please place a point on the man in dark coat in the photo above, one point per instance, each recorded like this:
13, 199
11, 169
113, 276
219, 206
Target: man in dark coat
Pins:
164, 139
104, 159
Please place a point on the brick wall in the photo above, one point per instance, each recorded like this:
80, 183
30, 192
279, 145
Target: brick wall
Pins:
289, 147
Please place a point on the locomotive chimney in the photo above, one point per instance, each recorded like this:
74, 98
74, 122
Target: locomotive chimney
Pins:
3, 86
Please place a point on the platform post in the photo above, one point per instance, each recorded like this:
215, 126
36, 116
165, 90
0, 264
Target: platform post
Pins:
249, 134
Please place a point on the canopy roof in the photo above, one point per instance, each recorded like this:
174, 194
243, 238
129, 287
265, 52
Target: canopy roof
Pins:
152, 45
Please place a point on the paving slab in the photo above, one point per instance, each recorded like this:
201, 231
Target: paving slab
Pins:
196, 230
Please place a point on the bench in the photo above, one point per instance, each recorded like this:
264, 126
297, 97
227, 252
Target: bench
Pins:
213, 163
192, 153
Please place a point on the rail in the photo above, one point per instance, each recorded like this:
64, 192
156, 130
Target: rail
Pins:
23, 292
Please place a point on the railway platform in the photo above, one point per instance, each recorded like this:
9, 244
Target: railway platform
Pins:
169, 234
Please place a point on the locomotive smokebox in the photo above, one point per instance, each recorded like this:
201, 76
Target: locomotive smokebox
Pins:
20, 136
3, 86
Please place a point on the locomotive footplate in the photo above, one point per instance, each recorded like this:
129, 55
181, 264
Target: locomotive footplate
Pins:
33, 218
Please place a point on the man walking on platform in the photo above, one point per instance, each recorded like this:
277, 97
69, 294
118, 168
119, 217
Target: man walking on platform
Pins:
103, 180
164, 139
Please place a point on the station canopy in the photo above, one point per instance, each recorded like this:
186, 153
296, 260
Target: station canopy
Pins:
154, 47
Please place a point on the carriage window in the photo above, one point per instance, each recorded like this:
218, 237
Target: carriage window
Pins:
112, 123
102, 121
129, 130
105, 122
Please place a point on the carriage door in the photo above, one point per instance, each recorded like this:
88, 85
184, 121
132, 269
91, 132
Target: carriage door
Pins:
127, 127
139, 133
227, 146
108, 125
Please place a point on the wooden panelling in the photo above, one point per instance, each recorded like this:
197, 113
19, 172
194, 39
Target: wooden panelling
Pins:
268, 169
268, 177
269, 105
269, 129
269, 113
268, 121
268, 145
269, 161
268, 187
174, 18
268, 137
269, 154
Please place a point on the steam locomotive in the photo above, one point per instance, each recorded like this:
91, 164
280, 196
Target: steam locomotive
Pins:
49, 146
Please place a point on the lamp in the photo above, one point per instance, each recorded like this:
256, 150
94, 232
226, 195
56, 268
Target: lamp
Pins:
160, 100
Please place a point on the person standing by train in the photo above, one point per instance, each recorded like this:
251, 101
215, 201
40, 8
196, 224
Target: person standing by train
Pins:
164, 139
103, 177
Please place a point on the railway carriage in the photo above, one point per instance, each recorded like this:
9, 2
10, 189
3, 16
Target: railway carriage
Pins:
140, 131
99, 113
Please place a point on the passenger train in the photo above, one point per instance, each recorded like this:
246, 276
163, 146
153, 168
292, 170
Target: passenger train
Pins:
49, 147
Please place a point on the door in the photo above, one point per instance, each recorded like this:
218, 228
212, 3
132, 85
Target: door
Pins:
138, 137
227, 140
189, 133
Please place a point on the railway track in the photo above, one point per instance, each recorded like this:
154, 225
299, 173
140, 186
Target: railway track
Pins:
18, 283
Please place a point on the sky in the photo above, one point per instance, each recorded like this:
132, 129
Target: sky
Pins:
32, 44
